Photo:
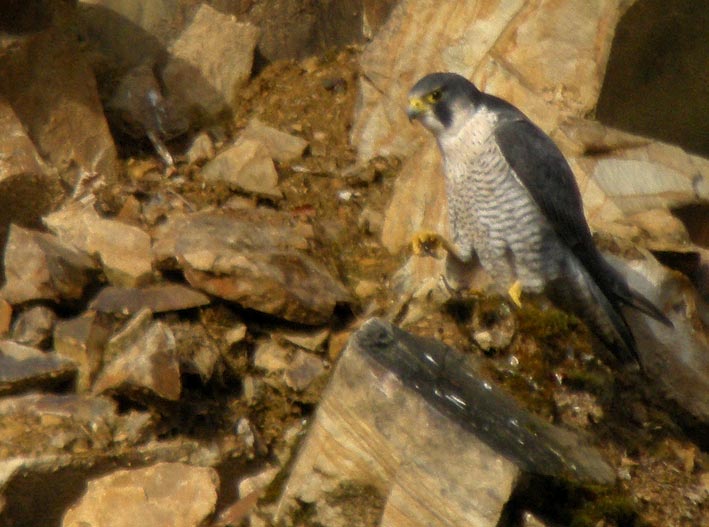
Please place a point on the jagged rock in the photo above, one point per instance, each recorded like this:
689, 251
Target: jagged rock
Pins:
39, 266
52, 90
162, 495
201, 149
141, 359
235, 334
23, 367
33, 327
209, 62
245, 166
439, 444
303, 370
157, 298
282, 147
254, 257
82, 340
198, 353
124, 250
675, 359
27, 188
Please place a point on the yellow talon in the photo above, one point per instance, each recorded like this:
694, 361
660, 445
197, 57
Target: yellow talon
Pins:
427, 243
515, 292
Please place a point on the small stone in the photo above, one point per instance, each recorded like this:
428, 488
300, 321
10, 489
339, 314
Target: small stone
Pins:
162, 495
271, 357
245, 166
201, 149
366, 288
24, 367
141, 359
235, 334
303, 370
253, 389
371, 221
282, 147
33, 327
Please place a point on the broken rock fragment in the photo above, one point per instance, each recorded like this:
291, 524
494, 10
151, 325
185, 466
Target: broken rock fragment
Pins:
255, 257
40, 266
282, 147
124, 250
141, 359
33, 327
245, 166
157, 298
162, 495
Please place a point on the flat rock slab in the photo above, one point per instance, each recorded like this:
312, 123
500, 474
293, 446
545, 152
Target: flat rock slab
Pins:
157, 298
163, 495
124, 250
255, 257
282, 147
412, 419
24, 367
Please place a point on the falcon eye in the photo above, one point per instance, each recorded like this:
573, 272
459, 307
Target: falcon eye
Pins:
434, 96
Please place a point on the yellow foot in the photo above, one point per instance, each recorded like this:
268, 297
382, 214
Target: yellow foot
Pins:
426, 243
515, 292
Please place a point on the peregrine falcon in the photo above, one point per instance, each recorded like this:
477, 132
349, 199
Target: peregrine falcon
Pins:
513, 202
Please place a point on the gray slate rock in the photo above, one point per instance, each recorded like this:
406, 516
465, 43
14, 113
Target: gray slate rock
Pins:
23, 368
157, 298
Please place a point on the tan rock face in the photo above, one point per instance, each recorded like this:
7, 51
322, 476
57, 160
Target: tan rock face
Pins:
163, 495
53, 92
196, 75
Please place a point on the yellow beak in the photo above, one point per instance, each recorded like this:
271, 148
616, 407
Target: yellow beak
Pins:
416, 108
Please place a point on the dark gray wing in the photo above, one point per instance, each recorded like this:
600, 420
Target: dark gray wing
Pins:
544, 172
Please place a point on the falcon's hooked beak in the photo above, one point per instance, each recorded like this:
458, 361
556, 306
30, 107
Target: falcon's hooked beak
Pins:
417, 107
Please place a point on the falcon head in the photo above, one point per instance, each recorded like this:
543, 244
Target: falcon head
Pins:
439, 100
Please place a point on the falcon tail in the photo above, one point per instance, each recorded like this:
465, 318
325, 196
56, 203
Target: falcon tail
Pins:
579, 294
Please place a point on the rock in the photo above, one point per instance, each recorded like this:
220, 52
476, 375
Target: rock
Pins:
141, 360
235, 334
28, 189
52, 90
124, 250
254, 257
259, 481
245, 166
311, 341
303, 370
198, 352
201, 149
282, 147
430, 446
33, 327
162, 495
39, 266
23, 368
541, 55
676, 359
82, 340
271, 357
197, 76
157, 298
